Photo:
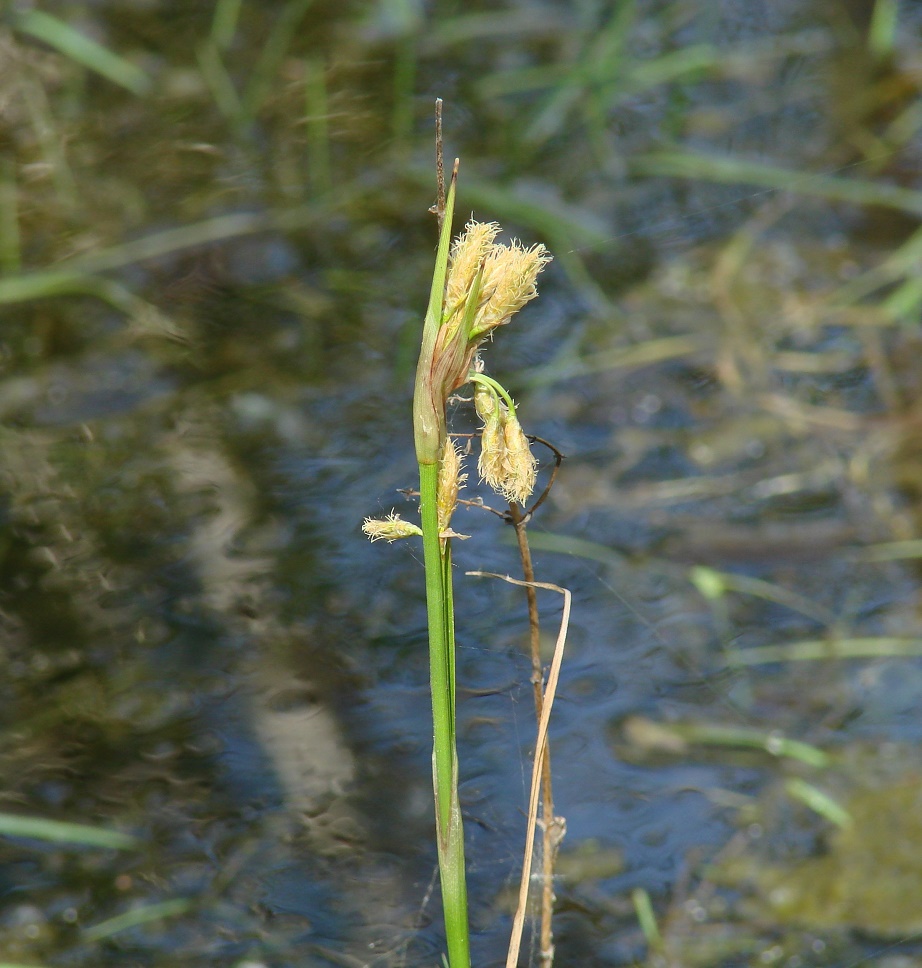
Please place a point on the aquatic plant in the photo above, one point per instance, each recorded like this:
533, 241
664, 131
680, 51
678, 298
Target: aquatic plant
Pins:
477, 286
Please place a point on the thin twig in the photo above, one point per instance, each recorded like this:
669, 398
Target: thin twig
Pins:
550, 840
550, 692
558, 460
552, 827
439, 207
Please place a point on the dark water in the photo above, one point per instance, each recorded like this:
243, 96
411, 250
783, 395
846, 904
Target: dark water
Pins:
212, 296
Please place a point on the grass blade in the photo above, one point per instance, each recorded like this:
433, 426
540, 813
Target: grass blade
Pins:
81, 49
715, 168
136, 917
57, 831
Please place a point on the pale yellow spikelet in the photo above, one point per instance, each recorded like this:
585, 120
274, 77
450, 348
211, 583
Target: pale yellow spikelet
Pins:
451, 480
467, 253
509, 281
521, 463
391, 528
485, 400
491, 464
506, 462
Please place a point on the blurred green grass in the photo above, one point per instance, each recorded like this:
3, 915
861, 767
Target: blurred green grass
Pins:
729, 206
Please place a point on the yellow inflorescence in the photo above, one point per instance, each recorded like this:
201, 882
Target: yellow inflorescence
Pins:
391, 528
451, 480
509, 279
506, 462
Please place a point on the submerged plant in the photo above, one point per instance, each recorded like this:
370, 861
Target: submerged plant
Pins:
477, 286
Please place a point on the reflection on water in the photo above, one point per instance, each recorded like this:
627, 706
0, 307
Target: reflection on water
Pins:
211, 311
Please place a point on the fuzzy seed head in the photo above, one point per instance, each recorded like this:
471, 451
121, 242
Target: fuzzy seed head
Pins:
523, 468
486, 403
451, 480
506, 462
391, 528
467, 253
509, 277
509, 281
492, 462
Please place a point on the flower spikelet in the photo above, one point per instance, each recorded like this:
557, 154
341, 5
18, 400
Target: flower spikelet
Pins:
522, 466
486, 401
451, 480
391, 528
506, 462
509, 281
469, 250
491, 464
510, 273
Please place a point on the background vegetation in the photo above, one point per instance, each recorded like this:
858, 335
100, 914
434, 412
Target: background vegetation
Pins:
214, 248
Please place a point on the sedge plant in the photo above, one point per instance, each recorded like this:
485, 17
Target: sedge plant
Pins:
477, 286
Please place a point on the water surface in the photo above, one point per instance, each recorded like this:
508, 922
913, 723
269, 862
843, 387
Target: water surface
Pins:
213, 284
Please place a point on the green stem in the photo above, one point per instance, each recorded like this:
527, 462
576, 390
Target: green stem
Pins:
430, 436
440, 613
441, 672
495, 386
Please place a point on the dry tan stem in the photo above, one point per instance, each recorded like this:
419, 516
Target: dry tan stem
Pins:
550, 827
550, 692
439, 165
